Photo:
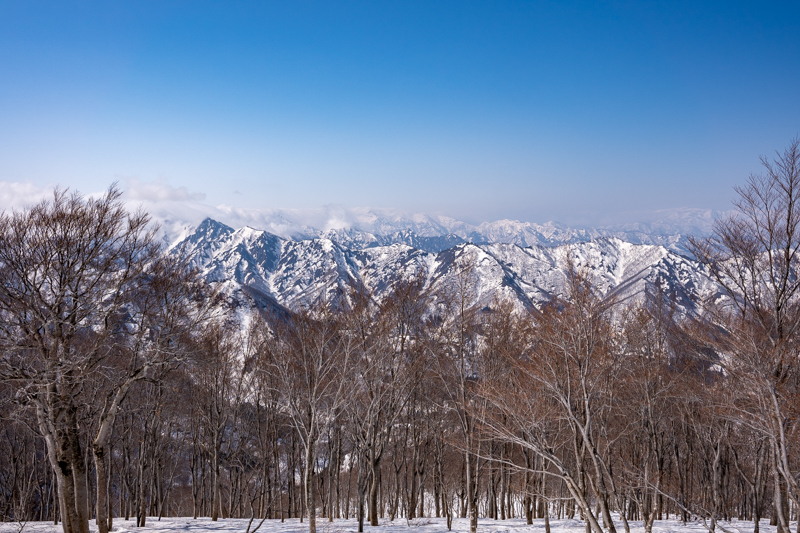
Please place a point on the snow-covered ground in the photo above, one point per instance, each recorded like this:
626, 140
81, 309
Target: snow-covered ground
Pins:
424, 525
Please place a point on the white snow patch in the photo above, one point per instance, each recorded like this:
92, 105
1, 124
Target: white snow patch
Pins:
400, 525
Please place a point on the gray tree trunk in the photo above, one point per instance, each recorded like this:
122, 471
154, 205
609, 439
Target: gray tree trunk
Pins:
311, 504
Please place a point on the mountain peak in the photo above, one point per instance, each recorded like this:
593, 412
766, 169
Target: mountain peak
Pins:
292, 273
362, 228
210, 226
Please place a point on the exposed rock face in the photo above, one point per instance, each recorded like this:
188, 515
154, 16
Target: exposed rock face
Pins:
290, 273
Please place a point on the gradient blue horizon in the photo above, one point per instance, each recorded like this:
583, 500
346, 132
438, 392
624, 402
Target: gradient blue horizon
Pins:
581, 112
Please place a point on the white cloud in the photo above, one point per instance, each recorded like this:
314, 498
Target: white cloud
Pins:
159, 191
177, 210
19, 195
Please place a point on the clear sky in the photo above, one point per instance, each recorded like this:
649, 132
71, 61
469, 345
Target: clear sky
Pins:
570, 111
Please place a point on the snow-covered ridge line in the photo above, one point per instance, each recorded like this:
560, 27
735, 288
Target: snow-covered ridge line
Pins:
272, 269
363, 228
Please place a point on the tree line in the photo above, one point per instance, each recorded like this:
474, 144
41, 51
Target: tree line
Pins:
132, 390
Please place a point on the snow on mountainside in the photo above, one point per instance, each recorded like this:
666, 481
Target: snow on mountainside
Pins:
434, 236
359, 228
277, 271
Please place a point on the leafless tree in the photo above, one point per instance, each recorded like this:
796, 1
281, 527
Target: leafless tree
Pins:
647, 389
453, 344
385, 363
753, 255
82, 279
311, 357
555, 396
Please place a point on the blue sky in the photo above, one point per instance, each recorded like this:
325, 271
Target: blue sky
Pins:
582, 112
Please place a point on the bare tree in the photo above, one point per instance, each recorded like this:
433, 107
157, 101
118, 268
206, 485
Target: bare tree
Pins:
753, 255
646, 387
554, 399
453, 344
76, 273
311, 357
216, 389
385, 364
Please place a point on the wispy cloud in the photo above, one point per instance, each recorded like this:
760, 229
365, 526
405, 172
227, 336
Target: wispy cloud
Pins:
19, 195
177, 209
159, 191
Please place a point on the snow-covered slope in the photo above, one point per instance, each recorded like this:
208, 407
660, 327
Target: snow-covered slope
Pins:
435, 237
292, 273
400, 525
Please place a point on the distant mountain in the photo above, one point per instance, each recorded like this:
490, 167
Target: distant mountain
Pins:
256, 265
362, 228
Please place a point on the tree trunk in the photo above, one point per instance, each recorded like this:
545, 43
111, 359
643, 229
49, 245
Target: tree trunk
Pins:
215, 481
373, 492
309, 487
361, 489
141, 513
781, 505
101, 507
61, 467
81, 487
472, 495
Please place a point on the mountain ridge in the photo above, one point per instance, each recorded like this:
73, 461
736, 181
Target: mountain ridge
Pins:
369, 227
295, 273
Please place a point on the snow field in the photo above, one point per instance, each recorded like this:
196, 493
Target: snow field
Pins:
420, 525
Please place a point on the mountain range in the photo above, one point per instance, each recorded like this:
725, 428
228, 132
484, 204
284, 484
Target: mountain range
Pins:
259, 267
358, 228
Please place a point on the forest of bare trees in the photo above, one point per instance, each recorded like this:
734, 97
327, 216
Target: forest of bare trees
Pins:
129, 390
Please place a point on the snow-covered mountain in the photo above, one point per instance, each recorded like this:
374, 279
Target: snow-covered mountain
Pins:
273, 270
359, 228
